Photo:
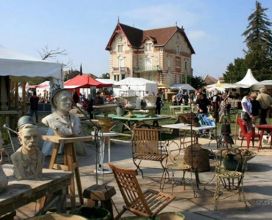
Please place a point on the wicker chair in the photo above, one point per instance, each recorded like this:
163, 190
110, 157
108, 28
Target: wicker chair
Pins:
148, 203
146, 145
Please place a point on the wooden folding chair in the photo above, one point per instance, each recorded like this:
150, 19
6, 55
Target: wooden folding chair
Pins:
148, 203
146, 145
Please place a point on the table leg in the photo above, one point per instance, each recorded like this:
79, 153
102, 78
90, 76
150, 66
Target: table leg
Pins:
109, 146
103, 142
54, 155
261, 139
101, 152
70, 155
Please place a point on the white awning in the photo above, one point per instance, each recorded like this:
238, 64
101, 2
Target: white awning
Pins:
17, 64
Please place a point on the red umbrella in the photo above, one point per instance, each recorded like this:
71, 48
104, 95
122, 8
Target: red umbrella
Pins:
84, 81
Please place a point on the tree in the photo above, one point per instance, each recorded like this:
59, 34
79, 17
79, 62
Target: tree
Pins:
196, 82
258, 38
258, 56
105, 76
235, 71
46, 53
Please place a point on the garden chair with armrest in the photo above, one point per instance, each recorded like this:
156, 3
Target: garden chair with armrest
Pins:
141, 203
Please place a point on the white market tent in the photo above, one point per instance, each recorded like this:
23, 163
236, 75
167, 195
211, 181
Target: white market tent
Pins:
263, 84
135, 86
17, 64
182, 87
220, 86
248, 81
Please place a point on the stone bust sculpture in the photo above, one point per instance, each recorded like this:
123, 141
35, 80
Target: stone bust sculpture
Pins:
62, 122
28, 159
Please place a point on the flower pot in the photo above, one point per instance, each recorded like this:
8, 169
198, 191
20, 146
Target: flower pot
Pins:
230, 163
94, 213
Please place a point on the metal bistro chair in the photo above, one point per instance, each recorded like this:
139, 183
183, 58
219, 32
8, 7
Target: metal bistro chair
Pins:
230, 180
177, 163
141, 203
146, 145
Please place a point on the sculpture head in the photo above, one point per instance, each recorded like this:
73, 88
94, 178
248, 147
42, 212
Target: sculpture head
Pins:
25, 119
29, 137
62, 100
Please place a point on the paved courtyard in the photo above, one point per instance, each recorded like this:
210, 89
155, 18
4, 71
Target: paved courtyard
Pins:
257, 185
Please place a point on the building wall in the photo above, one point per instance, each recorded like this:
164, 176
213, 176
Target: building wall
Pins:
166, 65
177, 62
126, 55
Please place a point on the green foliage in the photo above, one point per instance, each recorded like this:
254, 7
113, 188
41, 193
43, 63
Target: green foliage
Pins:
258, 56
235, 71
196, 82
258, 37
105, 76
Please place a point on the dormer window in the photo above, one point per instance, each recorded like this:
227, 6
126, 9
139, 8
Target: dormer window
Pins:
148, 46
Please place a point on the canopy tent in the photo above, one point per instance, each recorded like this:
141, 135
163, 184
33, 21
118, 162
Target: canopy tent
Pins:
84, 81
17, 64
220, 86
182, 87
248, 81
135, 86
105, 81
262, 84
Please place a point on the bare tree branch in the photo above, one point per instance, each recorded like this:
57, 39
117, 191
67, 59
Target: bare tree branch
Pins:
46, 53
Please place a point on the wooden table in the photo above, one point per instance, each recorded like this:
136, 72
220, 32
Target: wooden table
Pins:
69, 159
22, 192
262, 129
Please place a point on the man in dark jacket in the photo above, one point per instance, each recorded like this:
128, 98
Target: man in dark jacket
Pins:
34, 103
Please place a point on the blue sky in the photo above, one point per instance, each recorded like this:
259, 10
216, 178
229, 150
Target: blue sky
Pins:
83, 28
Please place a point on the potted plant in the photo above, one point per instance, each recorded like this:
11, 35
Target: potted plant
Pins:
233, 158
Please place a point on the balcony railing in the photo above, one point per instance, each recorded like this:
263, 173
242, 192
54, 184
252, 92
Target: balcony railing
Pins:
144, 69
122, 70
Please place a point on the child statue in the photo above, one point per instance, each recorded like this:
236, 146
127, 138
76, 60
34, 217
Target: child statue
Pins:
61, 121
28, 159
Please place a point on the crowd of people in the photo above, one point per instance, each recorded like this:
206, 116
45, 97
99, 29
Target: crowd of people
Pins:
255, 105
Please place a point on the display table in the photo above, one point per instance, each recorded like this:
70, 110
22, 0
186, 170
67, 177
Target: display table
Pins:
69, 159
178, 109
22, 192
187, 127
138, 119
